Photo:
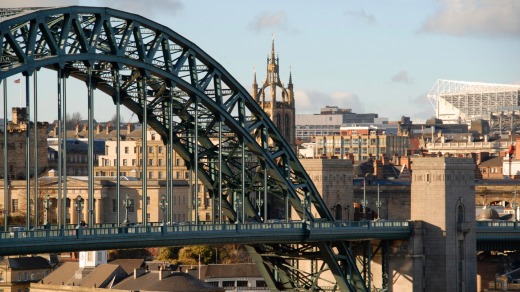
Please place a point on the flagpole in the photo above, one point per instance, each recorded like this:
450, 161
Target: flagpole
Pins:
20, 87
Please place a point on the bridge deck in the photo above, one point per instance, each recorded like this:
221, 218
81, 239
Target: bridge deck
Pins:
61, 240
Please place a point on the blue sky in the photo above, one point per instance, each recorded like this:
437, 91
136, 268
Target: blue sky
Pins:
371, 56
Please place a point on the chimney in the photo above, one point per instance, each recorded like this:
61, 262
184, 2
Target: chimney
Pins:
139, 272
163, 273
85, 127
129, 128
55, 130
77, 128
109, 128
98, 129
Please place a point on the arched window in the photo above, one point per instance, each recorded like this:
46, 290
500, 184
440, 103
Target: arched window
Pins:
460, 214
337, 212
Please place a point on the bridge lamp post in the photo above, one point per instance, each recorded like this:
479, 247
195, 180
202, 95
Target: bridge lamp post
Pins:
259, 204
364, 202
126, 203
47, 204
163, 204
378, 203
304, 204
515, 206
347, 211
79, 207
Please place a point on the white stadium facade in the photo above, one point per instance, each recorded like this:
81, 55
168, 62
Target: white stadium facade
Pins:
460, 102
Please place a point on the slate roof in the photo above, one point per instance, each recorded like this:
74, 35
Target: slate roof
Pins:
128, 265
492, 162
62, 275
175, 282
102, 275
232, 271
28, 263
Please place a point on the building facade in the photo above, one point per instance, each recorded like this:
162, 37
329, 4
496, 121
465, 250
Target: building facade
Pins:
276, 100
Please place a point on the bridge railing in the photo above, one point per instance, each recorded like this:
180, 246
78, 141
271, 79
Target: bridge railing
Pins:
497, 224
103, 230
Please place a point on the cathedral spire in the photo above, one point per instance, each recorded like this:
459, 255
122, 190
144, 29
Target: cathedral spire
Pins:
272, 47
290, 76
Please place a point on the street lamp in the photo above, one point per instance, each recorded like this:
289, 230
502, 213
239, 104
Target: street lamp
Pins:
365, 197
515, 206
378, 203
47, 204
163, 204
259, 204
79, 207
126, 203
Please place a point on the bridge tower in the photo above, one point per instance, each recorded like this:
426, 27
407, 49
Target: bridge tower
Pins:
443, 197
281, 110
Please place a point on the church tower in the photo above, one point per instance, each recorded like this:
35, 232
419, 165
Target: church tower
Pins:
279, 104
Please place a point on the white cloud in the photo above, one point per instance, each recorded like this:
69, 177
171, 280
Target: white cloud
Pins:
361, 15
269, 21
311, 101
490, 18
402, 76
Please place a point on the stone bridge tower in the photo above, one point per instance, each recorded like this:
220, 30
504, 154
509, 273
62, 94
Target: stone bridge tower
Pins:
443, 197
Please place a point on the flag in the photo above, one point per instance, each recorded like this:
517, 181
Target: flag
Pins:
17, 80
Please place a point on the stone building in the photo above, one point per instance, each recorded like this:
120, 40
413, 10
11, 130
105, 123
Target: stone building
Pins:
281, 109
443, 197
17, 273
105, 199
333, 179
16, 150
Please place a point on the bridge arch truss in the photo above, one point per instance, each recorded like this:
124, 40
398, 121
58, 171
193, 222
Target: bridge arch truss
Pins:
200, 111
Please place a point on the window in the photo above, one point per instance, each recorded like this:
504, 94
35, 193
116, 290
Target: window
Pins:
147, 200
115, 162
160, 175
160, 163
150, 149
177, 162
134, 162
135, 149
160, 150
153, 138
106, 162
150, 175
15, 205
114, 205
127, 150
150, 162
178, 175
125, 162
148, 216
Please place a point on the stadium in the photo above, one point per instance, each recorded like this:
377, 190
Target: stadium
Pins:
460, 102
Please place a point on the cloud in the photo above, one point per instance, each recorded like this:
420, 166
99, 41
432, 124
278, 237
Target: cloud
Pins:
311, 101
402, 76
269, 20
487, 18
361, 15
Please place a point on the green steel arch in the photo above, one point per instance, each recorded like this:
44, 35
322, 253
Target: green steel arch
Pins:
172, 85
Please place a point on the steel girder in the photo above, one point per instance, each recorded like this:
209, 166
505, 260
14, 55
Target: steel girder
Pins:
214, 125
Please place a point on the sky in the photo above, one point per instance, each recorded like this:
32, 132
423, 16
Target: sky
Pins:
371, 56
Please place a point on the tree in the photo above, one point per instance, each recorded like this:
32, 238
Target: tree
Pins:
114, 119
72, 120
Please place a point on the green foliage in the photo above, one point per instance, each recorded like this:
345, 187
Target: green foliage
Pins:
168, 253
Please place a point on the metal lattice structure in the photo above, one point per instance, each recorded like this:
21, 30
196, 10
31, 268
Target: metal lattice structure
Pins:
200, 111
461, 102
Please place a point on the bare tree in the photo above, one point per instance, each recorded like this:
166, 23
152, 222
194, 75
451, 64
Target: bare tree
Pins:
73, 119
